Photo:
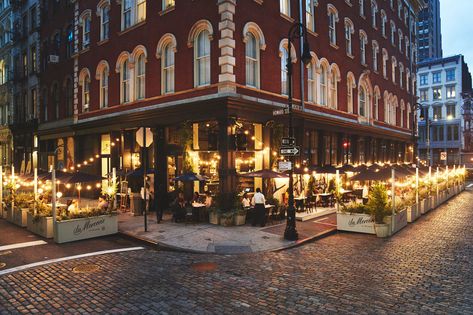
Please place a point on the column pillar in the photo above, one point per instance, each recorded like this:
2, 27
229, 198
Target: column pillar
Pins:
227, 170
161, 201
226, 43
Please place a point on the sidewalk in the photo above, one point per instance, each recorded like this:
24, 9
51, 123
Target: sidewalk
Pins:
208, 238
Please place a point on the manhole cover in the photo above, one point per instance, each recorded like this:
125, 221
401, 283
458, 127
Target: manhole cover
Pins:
88, 268
204, 266
2, 265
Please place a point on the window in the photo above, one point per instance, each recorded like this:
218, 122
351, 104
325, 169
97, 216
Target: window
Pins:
362, 7
133, 12
332, 31
375, 56
86, 93
437, 93
393, 33
140, 77
70, 41
104, 22
33, 58
450, 75
385, 64
384, 20
362, 99
437, 133
34, 103
323, 85
284, 85
202, 59
377, 97
25, 64
55, 98
451, 111
44, 105
424, 95
333, 90
374, 12
350, 87
423, 79
452, 133
401, 76
399, 9
285, 7
451, 91
349, 30
400, 40
141, 10
310, 14
252, 61
103, 81
363, 42
311, 83
393, 70
125, 82
168, 4
33, 18
126, 13
85, 31
437, 112
436, 77
167, 65
3, 72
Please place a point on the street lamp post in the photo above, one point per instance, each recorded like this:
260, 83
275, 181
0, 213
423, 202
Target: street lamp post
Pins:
428, 122
297, 30
416, 107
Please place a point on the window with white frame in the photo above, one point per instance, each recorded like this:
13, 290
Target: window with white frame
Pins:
400, 40
401, 75
362, 101
252, 60
436, 77
133, 12
284, 83
363, 42
385, 64
406, 15
333, 90
310, 14
85, 31
168, 4
124, 81
437, 93
362, 7
402, 115
3, 73
140, 80
406, 44
374, 12
104, 21
103, 81
393, 33
375, 56
384, 21
377, 97
451, 91
350, 87
349, 30
408, 80
323, 85
127, 8
393, 70
202, 58
167, 66
391, 4
285, 7
399, 9
450, 75
311, 83
332, 27
85, 93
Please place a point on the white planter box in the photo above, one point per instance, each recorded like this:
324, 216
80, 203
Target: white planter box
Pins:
20, 216
397, 222
355, 222
423, 206
430, 202
413, 213
80, 229
9, 214
42, 227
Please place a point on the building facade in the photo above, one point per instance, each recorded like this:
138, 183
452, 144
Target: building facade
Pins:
441, 86
207, 88
429, 32
6, 85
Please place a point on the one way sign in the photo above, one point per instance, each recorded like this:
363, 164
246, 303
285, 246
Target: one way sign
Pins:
289, 151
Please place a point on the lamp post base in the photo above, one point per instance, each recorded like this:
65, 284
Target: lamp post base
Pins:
290, 233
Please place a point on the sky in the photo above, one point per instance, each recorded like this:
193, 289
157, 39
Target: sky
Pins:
457, 28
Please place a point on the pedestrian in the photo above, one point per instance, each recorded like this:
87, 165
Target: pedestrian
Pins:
260, 211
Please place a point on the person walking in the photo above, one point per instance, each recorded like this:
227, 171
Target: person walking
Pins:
260, 211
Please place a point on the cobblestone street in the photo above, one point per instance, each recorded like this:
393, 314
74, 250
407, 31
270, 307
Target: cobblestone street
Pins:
426, 268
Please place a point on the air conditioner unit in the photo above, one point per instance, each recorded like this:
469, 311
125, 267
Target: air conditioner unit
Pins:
53, 58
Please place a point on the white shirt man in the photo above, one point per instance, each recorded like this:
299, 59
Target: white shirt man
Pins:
258, 198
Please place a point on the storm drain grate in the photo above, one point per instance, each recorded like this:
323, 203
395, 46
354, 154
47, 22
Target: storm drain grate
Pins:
86, 268
204, 266
2, 265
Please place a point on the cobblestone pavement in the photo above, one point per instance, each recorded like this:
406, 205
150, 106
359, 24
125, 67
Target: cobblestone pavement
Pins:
426, 268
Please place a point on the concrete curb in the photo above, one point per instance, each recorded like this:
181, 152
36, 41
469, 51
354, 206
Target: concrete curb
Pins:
162, 246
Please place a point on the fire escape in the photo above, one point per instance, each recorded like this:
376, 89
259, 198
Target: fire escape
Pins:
468, 120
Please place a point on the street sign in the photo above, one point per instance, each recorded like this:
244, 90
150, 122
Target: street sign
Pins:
279, 112
139, 137
284, 166
443, 156
288, 141
289, 151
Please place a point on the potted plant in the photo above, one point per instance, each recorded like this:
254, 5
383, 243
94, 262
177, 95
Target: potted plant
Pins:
355, 217
378, 207
23, 203
240, 216
227, 218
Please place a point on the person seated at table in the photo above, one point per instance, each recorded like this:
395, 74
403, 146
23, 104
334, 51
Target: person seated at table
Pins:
196, 197
208, 199
72, 206
245, 201
179, 210
365, 194
103, 204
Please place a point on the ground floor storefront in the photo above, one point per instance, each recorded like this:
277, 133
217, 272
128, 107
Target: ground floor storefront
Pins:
6, 146
219, 140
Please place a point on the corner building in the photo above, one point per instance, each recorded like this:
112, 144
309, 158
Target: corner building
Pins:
206, 76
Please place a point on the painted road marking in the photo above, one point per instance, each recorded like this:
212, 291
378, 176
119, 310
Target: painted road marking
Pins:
469, 186
51, 261
21, 245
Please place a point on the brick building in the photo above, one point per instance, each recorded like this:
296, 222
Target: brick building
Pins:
206, 75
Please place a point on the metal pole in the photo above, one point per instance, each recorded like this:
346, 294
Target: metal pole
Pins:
35, 189
301, 46
1, 190
144, 179
437, 183
417, 187
53, 199
428, 142
114, 183
337, 178
290, 233
13, 188
393, 195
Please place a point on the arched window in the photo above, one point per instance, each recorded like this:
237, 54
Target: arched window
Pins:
362, 100
362, 7
401, 75
400, 39
252, 61
140, 79
167, 64
104, 12
375, 56
85, 93
333, 86
374, 12
124, 81
332, 24
3, 74
311, 83
363, 42
349, 30
85, 24
350, 86
394, 65
284, 83
323, 85
385, 63
393, 33
202, 59
384, 20
377, 98
102, 75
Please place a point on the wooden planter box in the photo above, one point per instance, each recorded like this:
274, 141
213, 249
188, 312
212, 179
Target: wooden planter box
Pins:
20, 216
430, 202
397, 221
355, 222
84, 228
42, 227
413, 213
240, 219
214, 218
